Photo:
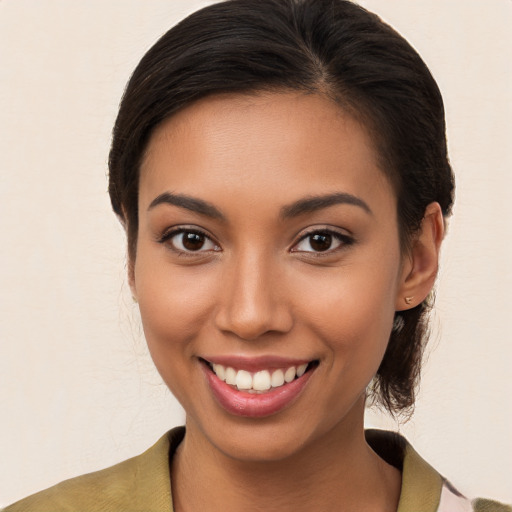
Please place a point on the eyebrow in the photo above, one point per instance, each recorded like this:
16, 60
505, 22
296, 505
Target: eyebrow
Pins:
189, 203
315, 203
300, 207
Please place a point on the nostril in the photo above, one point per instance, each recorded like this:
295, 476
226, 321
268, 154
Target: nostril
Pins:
251, 323
251, 301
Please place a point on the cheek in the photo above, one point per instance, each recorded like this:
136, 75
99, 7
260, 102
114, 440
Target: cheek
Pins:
175, 306
352, 311
354, 323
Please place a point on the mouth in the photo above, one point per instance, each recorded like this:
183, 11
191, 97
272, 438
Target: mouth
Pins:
260, 381
261, 392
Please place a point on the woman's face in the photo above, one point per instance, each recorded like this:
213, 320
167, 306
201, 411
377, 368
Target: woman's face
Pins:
268, 241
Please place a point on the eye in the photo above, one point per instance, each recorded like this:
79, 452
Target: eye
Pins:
189, 241
322, 241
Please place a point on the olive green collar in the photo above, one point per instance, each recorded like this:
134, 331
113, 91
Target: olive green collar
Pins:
421, 484
143, 483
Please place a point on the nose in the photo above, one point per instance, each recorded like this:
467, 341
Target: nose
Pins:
253, 300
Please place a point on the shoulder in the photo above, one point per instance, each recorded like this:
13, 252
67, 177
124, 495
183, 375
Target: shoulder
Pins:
453, 501
450, 499
423, 488
141, 483
483, 505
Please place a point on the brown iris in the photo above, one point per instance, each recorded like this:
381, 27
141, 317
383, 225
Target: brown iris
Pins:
193, 241
320, 242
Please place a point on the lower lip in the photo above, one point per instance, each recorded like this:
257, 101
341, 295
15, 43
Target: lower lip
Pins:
241, 403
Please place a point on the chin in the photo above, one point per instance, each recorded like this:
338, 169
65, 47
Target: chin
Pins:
260, 443
280, 437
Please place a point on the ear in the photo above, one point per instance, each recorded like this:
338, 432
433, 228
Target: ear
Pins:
420, 266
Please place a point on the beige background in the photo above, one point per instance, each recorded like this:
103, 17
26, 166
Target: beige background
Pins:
77, 389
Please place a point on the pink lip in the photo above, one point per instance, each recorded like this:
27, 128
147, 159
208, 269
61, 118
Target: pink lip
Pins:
254, 364
241, 403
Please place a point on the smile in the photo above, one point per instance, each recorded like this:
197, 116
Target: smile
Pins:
257, 393
260, 381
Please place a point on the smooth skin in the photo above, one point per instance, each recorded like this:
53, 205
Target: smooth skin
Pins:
237, 265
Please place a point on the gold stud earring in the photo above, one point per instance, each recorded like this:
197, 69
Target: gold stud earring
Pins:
408, 300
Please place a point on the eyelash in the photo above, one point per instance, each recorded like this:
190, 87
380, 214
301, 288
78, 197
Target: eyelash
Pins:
343, 239
171, 233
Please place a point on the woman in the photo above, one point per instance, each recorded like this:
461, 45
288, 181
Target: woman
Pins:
281, 172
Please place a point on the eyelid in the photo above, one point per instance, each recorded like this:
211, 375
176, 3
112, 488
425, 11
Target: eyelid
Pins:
173, 231
344, 238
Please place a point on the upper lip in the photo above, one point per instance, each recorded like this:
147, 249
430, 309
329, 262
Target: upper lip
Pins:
255, 363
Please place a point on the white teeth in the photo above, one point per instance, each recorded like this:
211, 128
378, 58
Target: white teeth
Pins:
243, 380
260, 381
277, 379
230, 374
220, 371
289, 374
301, 370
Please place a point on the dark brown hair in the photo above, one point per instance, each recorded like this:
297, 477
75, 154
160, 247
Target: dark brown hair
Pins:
332, 47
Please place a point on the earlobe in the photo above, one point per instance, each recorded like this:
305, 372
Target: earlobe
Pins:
420, 268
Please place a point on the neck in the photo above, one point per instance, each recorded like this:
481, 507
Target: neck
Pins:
338, 471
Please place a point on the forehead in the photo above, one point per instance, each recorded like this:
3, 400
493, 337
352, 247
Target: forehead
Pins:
281, 143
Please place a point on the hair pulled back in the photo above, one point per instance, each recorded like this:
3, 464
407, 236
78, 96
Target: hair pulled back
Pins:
330, 47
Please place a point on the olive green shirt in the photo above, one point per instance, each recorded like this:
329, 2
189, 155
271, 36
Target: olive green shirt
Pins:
143, 484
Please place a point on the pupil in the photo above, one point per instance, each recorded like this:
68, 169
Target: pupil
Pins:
321, 242
193, 241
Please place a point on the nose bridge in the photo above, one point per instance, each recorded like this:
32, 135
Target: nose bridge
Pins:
252, 303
